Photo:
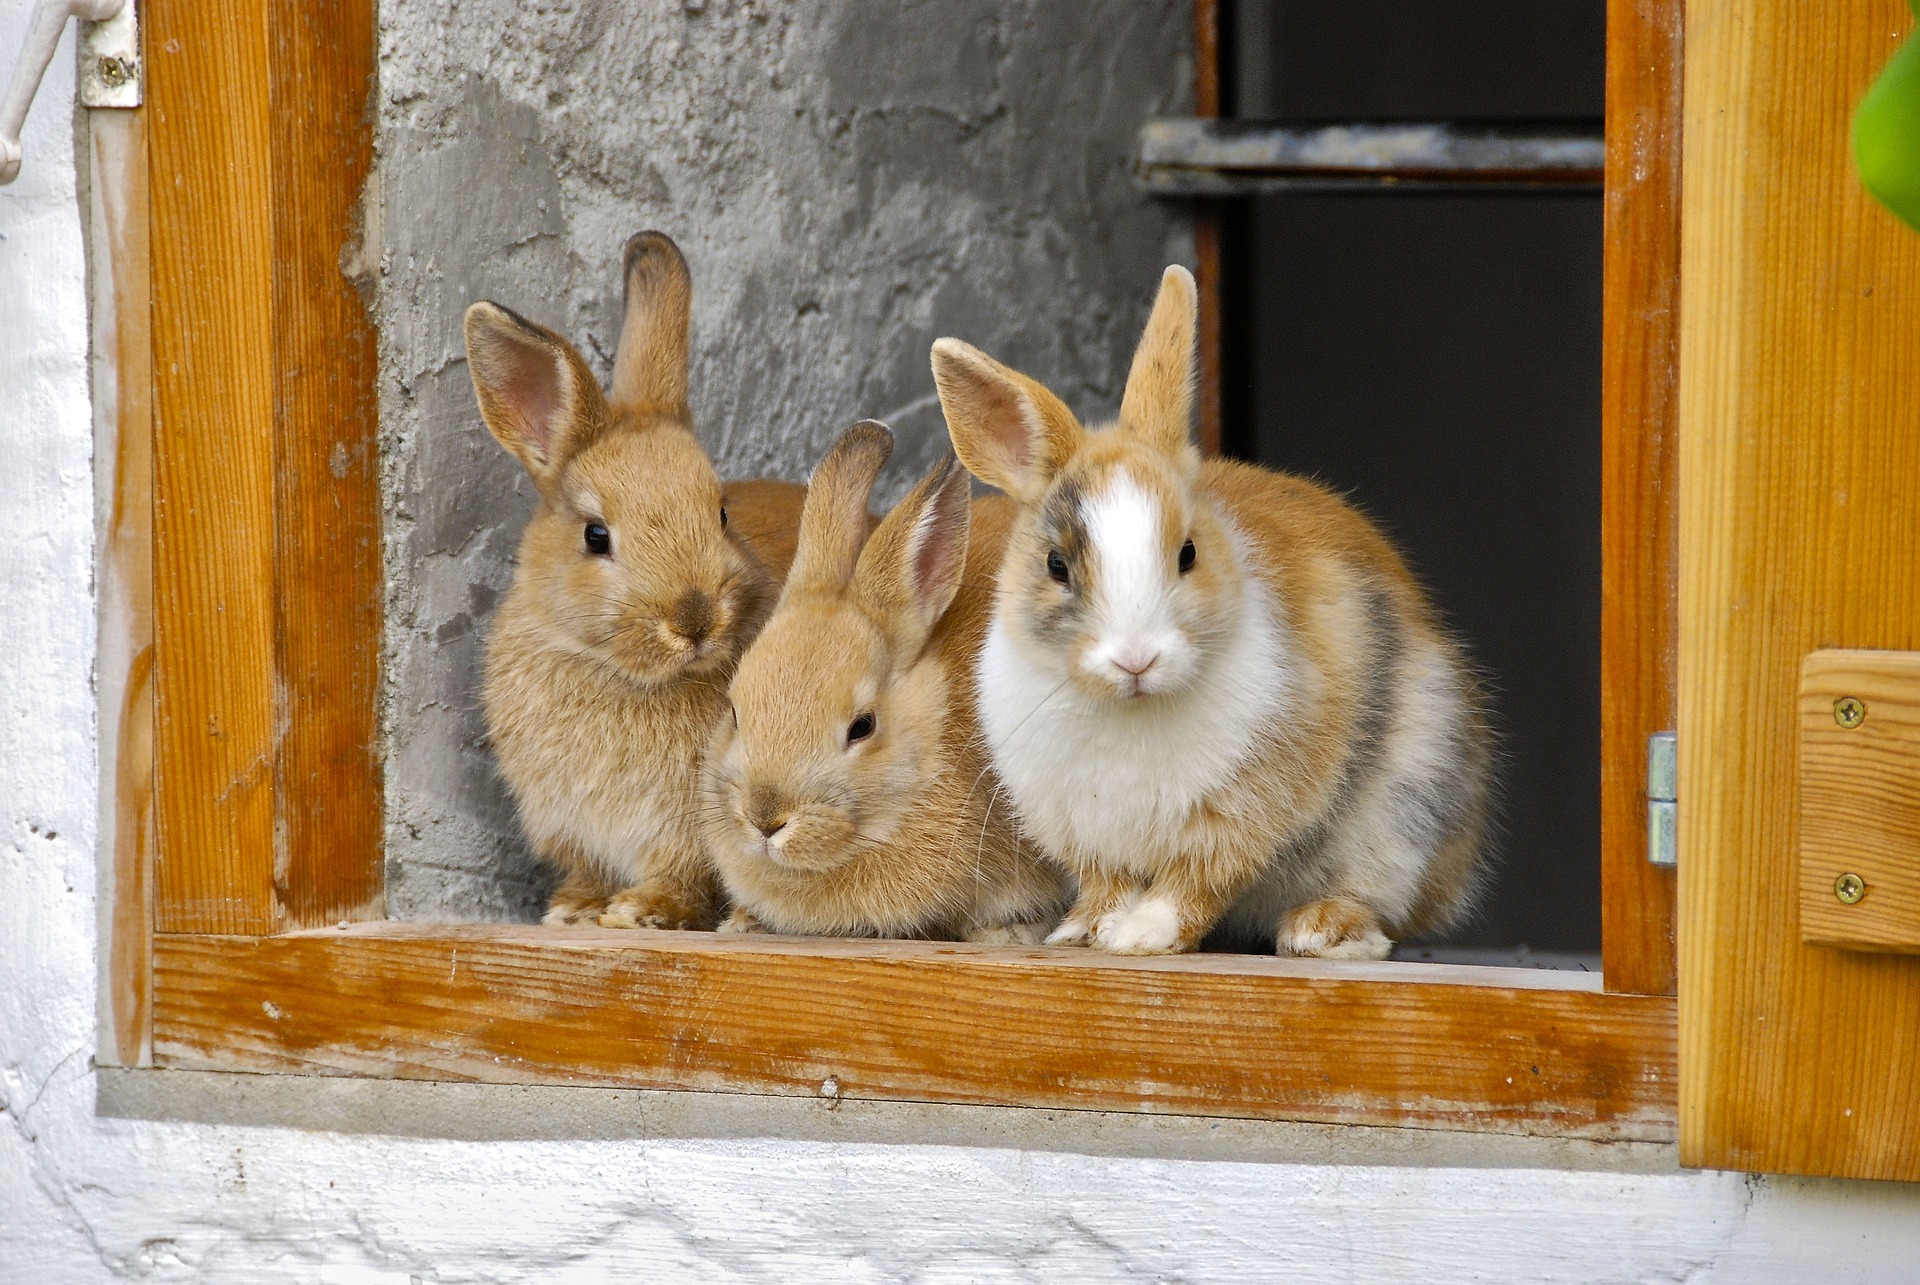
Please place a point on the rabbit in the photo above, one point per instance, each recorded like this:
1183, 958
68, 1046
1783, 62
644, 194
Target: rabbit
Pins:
1212, 691
639, 582
849, 794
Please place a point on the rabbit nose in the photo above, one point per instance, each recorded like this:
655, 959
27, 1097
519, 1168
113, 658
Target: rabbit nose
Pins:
764, 812
1136, 662
693, 616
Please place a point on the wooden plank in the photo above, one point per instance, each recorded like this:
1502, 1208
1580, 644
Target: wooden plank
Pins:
1860, 800
267, 491
213, 538
1799, 397
1498, 1050
122, 402
326, 469
1639, 553
1207, 233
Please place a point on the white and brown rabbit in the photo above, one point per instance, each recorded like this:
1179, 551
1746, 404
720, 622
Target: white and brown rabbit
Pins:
640, 581
850, 794
1212, 691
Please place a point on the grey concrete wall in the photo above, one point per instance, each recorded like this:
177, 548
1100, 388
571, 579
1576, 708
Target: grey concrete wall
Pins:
849, 179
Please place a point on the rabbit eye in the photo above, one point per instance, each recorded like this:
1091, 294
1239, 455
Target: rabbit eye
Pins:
860, 729
1056, 565
1186, 557
599, 541
723, 517
735, 711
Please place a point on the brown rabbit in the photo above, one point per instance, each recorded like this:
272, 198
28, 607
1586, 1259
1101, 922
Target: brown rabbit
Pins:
640, 581
1213, 691
850, 794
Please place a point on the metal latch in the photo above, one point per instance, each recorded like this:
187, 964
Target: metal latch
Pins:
109, 74
1663, 798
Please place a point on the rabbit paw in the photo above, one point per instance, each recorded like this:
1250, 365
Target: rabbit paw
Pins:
571, 910
1149, 926
1073, 931
1028, 934
654, 907
1333, 928
740, 921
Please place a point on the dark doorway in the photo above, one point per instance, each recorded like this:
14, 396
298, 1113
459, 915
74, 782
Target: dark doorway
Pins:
1437, 357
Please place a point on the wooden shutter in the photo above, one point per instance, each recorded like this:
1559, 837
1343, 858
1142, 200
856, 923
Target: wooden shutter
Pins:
1799, 531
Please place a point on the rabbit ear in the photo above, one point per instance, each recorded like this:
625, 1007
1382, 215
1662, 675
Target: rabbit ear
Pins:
911, 567
535, 393
1158, 403
833, 522
1009, 431
650, 366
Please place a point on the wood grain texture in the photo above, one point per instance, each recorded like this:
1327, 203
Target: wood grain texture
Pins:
326, 469
1207, 234
1638, 496
1860, 799
1799, 397
266, 523
122, 402
215, 713
1496, 1050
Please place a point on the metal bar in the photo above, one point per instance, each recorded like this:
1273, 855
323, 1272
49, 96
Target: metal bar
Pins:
1218, 158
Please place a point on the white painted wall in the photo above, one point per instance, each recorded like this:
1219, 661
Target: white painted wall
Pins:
86, 1198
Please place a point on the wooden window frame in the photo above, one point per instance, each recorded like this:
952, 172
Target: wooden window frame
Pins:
241, 627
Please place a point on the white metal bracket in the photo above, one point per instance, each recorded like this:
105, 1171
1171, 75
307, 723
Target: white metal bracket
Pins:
109, 74
110, 71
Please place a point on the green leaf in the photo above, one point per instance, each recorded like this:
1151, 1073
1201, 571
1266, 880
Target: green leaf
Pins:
1886, 133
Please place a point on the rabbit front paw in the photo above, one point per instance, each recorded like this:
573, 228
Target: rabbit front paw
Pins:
1149, 926
1023, 934
1073, 931
741, 920
1333, 928
651, 906
574, 904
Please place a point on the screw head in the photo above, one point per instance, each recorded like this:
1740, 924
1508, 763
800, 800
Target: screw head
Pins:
114, 71
1849, 712
1849, 888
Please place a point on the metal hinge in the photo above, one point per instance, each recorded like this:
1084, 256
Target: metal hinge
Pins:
1663, 798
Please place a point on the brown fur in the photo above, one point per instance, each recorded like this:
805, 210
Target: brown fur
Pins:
1301, 840
901, 833
606, 674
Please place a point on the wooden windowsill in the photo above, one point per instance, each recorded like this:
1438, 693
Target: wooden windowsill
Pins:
1441, 1046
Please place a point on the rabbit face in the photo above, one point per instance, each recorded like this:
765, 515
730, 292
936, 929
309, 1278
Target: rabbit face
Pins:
1125, 583
825, 747
636, 561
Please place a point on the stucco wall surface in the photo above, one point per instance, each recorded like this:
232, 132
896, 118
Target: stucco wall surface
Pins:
850, 179
89, 1197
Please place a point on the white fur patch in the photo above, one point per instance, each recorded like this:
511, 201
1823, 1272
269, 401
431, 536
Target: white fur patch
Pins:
1147, 927
1133, 626
1119, 779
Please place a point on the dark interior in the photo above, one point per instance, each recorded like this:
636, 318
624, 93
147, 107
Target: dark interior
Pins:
1437, 357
